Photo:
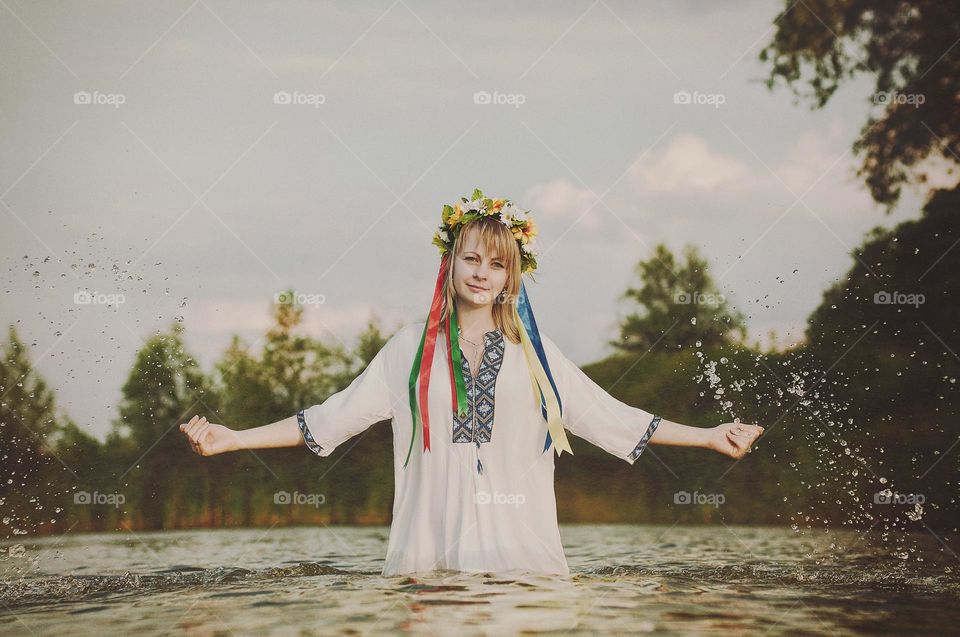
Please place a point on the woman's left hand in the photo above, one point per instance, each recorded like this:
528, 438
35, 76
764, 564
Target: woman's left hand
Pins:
734, 439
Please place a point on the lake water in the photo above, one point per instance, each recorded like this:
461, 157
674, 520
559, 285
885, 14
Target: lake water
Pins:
624, 579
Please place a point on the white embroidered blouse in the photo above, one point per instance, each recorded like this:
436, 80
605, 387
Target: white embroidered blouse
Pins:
482, 499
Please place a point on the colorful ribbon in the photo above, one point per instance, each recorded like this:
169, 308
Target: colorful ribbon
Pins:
550, 404
428, 343
423, 362
541, 379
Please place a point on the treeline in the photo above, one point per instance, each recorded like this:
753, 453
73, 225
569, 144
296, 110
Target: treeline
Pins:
868, 403
144, 476
862, 419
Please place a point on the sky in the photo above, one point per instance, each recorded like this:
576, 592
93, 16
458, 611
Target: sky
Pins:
186, 161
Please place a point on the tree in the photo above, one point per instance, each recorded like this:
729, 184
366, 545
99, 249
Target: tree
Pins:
164, 388
898, 318
91, 471
28, 426
681, 307
293, 371
910, 48
370, 341
882, 349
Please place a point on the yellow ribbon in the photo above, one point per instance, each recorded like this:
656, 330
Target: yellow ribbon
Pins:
538, 379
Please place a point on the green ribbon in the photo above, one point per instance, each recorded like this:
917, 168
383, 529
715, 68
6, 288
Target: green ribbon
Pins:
455, 356
414, 411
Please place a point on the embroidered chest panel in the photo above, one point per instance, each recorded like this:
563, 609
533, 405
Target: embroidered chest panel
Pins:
476, 425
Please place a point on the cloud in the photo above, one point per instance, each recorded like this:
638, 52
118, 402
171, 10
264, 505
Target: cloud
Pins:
212, 322
766, 183
559, 199
227, 316
816, 155
688, 163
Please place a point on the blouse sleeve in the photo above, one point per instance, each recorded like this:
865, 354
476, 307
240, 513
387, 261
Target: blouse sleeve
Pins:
589, 412
357, 407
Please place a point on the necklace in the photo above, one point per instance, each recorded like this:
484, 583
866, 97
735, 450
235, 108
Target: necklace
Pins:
469, 341
460, 334
478, 352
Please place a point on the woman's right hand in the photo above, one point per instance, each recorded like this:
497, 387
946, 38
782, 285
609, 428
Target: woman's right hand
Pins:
208, 439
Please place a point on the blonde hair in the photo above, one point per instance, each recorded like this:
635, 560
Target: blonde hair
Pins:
497, 239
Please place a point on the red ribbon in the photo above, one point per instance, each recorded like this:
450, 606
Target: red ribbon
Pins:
429, 346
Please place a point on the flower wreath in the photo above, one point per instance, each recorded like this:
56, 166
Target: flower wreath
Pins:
455, 217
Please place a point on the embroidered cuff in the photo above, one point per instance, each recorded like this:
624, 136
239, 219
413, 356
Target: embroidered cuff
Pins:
307, 436
645, 439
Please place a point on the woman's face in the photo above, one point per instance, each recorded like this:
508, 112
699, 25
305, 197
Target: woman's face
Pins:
478, 277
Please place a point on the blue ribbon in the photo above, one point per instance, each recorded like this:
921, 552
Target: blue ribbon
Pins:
530, 324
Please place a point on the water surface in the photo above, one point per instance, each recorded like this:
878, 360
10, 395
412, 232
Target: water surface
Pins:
326, 580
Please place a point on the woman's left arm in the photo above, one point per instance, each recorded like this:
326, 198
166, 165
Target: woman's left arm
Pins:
732, 439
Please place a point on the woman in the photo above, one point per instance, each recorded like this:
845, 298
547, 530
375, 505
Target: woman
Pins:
481, 498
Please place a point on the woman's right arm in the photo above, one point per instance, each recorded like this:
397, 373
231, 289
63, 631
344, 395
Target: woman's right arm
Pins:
209, 439
363, 403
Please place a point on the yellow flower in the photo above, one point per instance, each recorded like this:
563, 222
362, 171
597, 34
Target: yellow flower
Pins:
529, 231
455, 216
498, 204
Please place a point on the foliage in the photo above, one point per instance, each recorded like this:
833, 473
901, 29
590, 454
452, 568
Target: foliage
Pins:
678, 307
910, 49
